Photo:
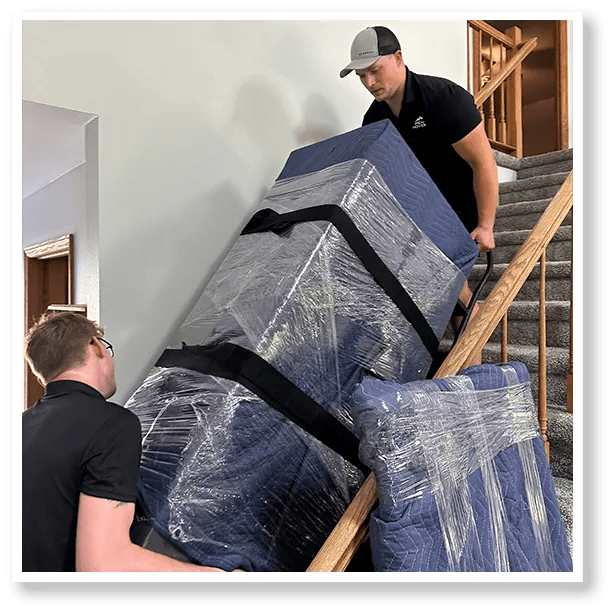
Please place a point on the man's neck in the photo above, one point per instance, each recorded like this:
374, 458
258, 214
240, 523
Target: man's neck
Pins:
395, 104
396, 100
79, 376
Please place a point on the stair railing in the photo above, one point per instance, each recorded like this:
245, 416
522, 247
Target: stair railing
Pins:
351, 530
495, 65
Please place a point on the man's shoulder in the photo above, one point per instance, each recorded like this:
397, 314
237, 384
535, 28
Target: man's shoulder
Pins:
123, 417
116, 407
450, 106
437, 86
114, 422
91, 407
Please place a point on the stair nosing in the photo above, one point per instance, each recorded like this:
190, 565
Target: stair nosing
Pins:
540, 159
533, 182
553, 265
503, 235
507, 207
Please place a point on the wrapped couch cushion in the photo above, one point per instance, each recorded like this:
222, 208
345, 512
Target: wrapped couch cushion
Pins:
463, 479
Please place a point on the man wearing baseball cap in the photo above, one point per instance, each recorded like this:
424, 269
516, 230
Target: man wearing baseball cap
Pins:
439, 121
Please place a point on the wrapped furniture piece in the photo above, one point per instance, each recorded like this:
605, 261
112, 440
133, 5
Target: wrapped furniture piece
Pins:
249, 456
463, 480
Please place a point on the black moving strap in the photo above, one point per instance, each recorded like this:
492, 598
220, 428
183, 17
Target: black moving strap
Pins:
269, 220
236, 363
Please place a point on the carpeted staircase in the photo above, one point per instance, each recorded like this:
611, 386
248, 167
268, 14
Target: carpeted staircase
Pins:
522, 201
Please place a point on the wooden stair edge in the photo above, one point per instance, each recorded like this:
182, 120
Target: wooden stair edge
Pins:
503, 147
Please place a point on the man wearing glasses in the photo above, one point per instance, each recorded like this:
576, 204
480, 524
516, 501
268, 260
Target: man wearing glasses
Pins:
81, 456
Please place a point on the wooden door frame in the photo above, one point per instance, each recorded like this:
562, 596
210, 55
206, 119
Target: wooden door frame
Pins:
63, 246
561, 75
50, 249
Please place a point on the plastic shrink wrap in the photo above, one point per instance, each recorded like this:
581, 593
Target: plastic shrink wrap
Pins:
226, 478
463, 480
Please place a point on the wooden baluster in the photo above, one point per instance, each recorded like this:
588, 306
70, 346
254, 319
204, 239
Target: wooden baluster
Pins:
475, 74
504, 338
502, 109
470, 64
542, 364
477, 66
490, 126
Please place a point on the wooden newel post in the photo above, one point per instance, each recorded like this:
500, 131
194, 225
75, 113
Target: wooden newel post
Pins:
515, 101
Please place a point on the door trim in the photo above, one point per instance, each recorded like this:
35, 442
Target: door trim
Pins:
62, 246
35, 305
561, 71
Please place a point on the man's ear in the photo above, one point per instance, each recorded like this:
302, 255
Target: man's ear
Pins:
97, 348
398, 58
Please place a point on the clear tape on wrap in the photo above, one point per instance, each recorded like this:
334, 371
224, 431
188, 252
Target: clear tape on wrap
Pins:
303, 302
430, 441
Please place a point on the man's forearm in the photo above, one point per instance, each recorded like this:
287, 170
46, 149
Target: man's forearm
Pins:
134, 558
485, 185
103, 541
140, 559
475, 149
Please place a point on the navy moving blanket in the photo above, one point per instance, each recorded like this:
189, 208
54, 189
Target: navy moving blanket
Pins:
382, 145
463, 479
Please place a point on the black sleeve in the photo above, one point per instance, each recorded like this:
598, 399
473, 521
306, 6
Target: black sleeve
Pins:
110, 469
455, 112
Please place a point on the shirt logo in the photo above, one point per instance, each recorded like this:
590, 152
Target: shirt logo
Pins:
419, 123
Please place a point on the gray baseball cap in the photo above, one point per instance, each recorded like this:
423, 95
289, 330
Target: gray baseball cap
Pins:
368, 46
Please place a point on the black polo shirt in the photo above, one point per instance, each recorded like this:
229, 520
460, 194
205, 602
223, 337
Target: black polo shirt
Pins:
74, 441
435, 114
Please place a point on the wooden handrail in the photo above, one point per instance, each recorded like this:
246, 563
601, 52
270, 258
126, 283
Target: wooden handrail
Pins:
485, 27
482, 95
349, 533
335, 554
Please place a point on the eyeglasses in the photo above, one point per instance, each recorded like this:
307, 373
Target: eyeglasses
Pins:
106, 344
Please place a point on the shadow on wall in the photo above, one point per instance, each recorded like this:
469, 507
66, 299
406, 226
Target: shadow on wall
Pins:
201, 187
202, 229
263, 129
260, 111
320, 121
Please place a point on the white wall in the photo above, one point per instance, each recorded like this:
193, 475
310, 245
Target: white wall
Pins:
196, 119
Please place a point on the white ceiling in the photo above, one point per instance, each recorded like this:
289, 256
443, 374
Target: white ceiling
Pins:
53, 143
